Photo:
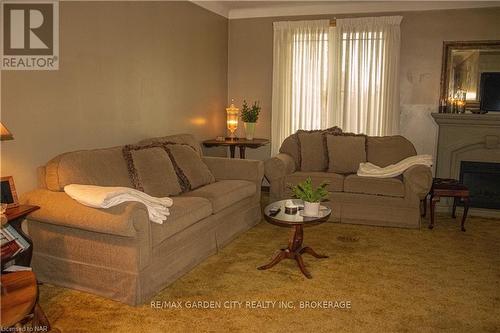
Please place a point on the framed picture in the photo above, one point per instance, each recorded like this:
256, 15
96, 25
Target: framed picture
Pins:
8, 192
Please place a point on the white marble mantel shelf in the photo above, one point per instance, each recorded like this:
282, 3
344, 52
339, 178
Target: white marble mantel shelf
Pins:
467, 119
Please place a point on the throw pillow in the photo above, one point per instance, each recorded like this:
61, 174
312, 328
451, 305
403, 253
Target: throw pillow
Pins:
292, 147
345, 152
151, 170
192, 171
313, 156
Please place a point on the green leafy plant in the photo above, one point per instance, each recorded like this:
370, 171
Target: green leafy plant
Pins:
250, 114
306, 191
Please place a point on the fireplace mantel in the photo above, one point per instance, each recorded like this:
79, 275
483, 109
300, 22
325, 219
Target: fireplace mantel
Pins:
466, 119
466, 137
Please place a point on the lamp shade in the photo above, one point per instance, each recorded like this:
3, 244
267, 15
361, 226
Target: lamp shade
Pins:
5, 133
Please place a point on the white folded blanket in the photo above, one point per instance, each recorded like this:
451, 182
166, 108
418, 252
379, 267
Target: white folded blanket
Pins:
105, 197
393, 170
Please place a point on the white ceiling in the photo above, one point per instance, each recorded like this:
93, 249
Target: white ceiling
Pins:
246, 9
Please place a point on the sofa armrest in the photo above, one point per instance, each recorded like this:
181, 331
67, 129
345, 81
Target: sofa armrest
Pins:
279, 166
418, 179
231, 168
58, 208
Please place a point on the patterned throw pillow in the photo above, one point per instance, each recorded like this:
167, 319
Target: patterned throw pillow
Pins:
191, 168
151, 170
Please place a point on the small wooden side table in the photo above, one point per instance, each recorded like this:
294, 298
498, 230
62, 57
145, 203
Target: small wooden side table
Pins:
296, 222
442, 187
19, 303
241, 143
15, 217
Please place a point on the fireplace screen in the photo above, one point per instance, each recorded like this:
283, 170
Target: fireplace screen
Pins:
483, 181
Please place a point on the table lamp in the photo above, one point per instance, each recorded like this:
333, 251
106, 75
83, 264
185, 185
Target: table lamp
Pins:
5, 133
232, 119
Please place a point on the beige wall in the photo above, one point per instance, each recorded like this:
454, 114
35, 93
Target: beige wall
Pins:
422, 35
128, 70
131, 70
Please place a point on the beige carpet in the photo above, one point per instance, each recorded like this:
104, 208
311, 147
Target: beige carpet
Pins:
396, 280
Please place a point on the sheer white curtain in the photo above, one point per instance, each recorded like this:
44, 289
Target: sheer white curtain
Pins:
364, 67
300, 78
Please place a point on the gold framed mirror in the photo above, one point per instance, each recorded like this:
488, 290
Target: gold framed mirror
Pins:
462, 66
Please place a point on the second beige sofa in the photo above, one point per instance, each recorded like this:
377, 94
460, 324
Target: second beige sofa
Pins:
393, 202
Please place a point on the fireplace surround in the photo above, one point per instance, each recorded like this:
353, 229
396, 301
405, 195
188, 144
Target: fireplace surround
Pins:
467, 138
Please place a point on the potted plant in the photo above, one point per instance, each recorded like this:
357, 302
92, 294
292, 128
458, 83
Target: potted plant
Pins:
310, 195
249, 116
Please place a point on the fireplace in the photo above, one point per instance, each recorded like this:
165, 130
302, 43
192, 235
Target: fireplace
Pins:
483, 181
469, 149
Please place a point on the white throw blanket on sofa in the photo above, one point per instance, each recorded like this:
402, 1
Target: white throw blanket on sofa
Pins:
393, 170
105, 197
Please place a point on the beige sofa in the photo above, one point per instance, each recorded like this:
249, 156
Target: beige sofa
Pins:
391, 202
118, 253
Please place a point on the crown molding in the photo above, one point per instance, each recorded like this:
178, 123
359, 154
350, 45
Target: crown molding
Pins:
214, 6
288, 8
356, 7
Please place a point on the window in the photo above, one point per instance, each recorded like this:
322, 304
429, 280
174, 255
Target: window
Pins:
309, 80
345, 76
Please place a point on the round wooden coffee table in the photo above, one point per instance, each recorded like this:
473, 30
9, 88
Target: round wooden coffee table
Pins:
297, 222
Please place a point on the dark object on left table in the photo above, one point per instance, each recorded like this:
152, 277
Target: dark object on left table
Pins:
15, 217
8, 192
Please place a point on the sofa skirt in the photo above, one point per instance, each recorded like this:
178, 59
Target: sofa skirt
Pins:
125, 269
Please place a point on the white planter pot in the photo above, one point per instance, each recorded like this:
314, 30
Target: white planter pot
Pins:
249, 130
311, 208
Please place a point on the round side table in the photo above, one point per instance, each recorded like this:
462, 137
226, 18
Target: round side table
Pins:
297, 222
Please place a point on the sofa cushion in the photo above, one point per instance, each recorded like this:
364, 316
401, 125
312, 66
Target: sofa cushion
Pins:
184, 212
151, 170
345, 152
335, 180
101, 167
192, 171
391, 187
387, 150
224, 193
178, 138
